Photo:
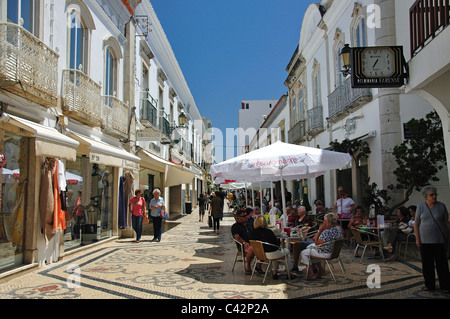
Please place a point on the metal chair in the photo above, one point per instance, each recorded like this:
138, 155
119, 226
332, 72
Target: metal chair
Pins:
366, 243
335, 256
411, 238
261, 257
240, 252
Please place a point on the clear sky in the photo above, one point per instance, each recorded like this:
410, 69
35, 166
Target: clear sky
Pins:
232, 50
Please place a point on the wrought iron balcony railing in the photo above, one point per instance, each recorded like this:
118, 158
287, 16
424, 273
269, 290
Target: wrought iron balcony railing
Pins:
115, 116
345, 98
82, 98
315, 118
296, 133
427, 18
149, 111
28, 67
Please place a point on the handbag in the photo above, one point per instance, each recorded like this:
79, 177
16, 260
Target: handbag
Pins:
145, 218
164, 215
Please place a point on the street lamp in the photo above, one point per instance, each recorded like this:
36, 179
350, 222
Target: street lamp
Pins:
345, 56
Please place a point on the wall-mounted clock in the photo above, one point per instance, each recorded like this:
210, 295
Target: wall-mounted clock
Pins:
378, 67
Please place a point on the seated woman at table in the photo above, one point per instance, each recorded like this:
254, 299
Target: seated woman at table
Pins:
241, 234
262, 233
399, 231
303, 218
329, 231
358, 219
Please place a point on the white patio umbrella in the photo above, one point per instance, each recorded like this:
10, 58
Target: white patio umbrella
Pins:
280, 161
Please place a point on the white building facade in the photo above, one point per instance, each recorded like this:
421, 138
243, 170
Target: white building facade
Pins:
251, 116
75, 92
324, 107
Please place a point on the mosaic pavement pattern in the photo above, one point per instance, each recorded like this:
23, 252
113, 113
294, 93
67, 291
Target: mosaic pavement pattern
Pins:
191, 262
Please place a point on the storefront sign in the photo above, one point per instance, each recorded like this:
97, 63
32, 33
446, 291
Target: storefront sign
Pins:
148, 135
130, 165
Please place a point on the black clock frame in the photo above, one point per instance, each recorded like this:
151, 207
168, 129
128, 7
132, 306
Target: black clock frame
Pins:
359, 80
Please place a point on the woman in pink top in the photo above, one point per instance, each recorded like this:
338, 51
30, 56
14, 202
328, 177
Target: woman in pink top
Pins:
137, 209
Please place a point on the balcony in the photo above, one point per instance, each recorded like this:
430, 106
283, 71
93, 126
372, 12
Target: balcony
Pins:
315, 119
427, 19
28, 67
297, 133
149, 111
345, 98
115, 117
82, 98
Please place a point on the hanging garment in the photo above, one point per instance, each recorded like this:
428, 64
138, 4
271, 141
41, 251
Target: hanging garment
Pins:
61, 174
105, 200
46, 199
18, 216
129, 193
59, 220
122, 204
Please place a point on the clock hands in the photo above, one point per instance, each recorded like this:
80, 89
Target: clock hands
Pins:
375, 63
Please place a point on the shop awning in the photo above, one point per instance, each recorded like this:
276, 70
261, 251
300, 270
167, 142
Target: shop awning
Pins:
151, 161
49, 142
103, 153
177, 175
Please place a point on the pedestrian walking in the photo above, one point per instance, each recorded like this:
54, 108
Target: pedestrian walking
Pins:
137, 209
216, 211
431, 227
201, 202
157, 206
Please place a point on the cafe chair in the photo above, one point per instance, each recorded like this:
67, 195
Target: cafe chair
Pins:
240, 252
261, 257
411, 238
335, 256
366, 243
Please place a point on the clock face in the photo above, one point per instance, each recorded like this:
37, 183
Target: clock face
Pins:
378, 62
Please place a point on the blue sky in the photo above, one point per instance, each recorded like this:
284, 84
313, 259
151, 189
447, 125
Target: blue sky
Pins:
232, 50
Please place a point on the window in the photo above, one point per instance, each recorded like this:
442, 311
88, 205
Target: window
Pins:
294, 110
317, 100
112, 57
338, 64
80, 25
27, 10
78, 43
110, 88
301, 104
359, 33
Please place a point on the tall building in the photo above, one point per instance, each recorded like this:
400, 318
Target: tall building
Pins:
251, 115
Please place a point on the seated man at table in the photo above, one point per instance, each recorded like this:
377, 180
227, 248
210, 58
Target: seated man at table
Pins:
241, 234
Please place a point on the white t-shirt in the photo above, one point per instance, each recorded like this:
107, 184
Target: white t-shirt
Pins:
344, 205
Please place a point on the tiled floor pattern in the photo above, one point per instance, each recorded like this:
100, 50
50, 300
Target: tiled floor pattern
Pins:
191, 262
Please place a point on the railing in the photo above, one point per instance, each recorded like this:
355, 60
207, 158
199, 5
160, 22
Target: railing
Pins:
115, 116
149, 111
27, 64
427, 18
82, 98
315, 118
345, 97
297, 132
165, 126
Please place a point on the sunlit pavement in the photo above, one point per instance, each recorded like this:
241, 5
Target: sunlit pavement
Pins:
192, 262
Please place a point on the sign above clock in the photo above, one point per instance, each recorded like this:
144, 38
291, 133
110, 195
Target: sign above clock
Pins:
378, 67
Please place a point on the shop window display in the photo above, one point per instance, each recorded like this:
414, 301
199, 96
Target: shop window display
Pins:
91, 220
12, 198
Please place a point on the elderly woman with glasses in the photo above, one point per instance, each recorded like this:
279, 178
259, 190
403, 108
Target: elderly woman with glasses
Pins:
329, 232
432, 227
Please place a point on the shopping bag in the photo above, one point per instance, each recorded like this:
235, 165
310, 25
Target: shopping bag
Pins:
164, 215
